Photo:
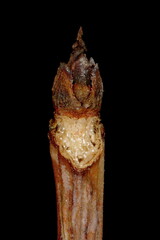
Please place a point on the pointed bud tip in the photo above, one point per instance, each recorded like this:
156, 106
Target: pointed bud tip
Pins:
80, 33
79, 44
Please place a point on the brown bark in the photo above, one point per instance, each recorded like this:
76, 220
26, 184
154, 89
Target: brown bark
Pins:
77, 147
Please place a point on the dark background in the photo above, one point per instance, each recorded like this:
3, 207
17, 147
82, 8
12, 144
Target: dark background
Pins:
36, 49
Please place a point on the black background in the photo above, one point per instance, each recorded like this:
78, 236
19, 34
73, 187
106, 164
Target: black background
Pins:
36, 49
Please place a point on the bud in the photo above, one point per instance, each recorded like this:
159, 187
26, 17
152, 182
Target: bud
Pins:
78, 86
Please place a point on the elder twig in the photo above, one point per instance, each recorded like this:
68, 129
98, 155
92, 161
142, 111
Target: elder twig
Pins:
77, 146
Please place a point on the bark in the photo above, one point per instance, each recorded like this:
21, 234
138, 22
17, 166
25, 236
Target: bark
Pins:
77, 147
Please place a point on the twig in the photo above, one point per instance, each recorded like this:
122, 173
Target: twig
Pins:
77, 147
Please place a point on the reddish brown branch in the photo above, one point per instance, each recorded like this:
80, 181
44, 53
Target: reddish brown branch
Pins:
77, 147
